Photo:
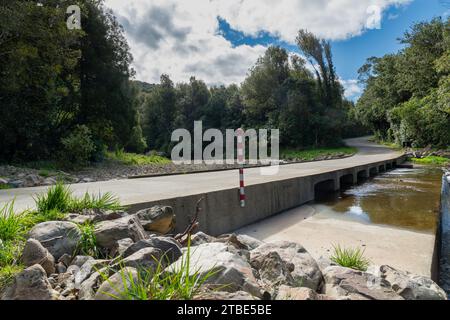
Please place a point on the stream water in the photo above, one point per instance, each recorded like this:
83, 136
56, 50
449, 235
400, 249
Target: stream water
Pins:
405, 198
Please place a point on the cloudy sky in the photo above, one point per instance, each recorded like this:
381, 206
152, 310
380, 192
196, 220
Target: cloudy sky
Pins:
219, 40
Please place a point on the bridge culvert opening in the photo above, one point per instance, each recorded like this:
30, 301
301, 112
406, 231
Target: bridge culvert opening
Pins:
346, 181
363, 175
373, 172
324, 189
382, 168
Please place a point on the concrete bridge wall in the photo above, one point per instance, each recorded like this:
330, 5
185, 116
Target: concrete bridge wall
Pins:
445, 234
221, 212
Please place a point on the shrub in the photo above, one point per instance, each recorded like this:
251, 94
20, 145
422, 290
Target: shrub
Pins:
78, 147
350, 258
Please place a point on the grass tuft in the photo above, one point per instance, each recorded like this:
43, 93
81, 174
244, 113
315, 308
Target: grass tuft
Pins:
105, 201
350, 258
313, 154
88, 242
58, 197
11, 224
177, 284
432, 160
133, 159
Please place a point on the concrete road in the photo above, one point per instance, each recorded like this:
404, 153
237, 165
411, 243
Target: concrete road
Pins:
132, 191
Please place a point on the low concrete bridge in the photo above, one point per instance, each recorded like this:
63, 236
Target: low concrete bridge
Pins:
294, 185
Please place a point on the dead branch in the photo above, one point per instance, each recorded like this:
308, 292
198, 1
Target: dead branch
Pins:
193, 225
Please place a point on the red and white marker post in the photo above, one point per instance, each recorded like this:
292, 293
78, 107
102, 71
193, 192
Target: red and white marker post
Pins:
240, 158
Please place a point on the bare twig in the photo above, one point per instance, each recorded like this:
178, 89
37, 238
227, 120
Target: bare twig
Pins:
193, 225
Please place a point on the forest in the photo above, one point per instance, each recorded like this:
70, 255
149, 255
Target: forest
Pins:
71, 95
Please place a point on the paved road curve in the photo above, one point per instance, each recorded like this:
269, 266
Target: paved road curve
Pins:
158, 188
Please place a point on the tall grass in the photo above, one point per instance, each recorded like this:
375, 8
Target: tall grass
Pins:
176, 284
12, 225
136, 159
58, 197
87, 245
350, 258
105, 201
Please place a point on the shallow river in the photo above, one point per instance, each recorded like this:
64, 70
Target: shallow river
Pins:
406, 198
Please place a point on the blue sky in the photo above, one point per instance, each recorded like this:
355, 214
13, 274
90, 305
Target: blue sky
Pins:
350, 54
219, 40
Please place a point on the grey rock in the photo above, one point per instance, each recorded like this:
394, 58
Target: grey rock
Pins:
305, 271
89, 267
157, 219
168, 246
49, 182
80, 260
35, 253
58, 237
201, 238
31, 284
227, 269
121, 246
408, 285
357, 285
109, 215
109, 232
303, 293
32, 180
3, 181
250, 242
16, 183
114, 287
61, 267
66, 259
79, 218
222, 295
147, 258
89, 287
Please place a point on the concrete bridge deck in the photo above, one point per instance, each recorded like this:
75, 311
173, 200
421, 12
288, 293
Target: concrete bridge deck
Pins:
294, 185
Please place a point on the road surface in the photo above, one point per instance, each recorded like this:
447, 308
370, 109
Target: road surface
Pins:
132, 191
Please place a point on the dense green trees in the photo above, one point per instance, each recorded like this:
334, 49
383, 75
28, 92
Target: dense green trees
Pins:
279, 92
67, 94
407, 96
54, 80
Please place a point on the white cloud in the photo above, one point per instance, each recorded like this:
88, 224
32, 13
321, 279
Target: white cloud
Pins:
353, 89
181, 37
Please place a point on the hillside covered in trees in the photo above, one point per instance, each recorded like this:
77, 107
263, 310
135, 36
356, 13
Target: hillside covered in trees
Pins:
407, 95
70, 95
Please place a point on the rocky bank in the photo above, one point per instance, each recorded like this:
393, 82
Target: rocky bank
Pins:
242, 267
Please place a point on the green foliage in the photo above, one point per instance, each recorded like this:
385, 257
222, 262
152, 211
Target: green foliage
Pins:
136, 159
106, 201
88, 242
11, 224
406, 98
177, 284
350, 258
78, 147
7, 274
432, 160
313, 154
58, 198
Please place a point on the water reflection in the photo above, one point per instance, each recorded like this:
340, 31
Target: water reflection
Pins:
407, 198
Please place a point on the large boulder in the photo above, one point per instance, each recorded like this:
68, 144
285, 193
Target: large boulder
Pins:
58, 237
35, 253
157, 219
108, 233
114, 287
290, 293
295, 262
168, 246
121, 246
87, 268
408, 285
144, 259
343, 282
219, 265
31, 284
